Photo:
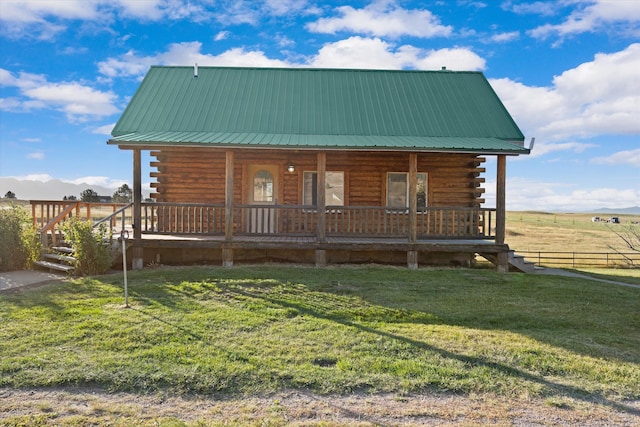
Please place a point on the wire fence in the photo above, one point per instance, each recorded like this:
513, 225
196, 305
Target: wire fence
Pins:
583, 259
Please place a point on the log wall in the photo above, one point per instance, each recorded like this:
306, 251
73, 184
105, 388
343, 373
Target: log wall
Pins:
197, 175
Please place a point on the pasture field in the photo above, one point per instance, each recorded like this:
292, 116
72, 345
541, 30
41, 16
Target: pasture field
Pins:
290, 345
558, 232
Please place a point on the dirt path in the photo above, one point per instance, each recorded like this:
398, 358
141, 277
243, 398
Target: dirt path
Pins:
94, 407
561, 272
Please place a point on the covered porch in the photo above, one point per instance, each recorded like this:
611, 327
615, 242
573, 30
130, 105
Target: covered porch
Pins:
323, 233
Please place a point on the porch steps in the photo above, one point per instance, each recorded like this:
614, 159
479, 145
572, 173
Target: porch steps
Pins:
54, 266
63, 249
60, 258
518, 262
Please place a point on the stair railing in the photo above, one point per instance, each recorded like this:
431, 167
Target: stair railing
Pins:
67, 212
113, 217
53, 222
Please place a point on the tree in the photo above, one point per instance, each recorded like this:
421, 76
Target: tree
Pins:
19, 243
630, 235
89, 195
123, 194
10, 195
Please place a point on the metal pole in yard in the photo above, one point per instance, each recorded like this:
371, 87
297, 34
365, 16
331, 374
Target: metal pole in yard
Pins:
123, 236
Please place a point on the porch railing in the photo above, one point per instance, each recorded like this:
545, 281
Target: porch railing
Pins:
300, 220
183, 218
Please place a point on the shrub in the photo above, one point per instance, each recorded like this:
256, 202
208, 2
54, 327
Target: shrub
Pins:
90, 246
19, 242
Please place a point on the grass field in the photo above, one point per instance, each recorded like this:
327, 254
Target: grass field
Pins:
559, 232
254, 331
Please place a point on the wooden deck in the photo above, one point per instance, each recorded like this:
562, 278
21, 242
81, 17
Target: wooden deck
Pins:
189, 233
310, 242
307, 249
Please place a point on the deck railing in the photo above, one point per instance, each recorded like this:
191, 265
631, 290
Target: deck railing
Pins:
300, 220
457, 222
183, 218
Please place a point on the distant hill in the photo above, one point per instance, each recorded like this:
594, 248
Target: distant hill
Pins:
49, 190
634, 210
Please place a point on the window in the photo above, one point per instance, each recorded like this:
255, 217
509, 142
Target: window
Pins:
398, 190
263, 186
334, 190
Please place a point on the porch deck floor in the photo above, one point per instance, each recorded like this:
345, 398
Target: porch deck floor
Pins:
311, 242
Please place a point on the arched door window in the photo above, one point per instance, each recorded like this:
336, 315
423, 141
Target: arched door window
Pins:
263, 187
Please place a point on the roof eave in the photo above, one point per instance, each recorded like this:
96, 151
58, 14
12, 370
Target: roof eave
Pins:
132, 145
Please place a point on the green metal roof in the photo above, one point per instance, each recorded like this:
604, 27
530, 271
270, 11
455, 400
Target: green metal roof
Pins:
318, 108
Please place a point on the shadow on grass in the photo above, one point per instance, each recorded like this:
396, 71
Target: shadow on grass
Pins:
460, 298
334, 307
561, 389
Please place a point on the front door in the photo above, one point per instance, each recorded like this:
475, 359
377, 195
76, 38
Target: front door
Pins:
262, 192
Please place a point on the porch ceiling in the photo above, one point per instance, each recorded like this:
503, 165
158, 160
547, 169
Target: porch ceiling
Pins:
486, 145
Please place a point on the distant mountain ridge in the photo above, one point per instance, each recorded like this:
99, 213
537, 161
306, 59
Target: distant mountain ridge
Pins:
633, 210
54, 189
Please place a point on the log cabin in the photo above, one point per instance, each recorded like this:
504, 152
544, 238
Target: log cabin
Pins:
317, 166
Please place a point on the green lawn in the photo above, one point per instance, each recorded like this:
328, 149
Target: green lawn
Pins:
261, 329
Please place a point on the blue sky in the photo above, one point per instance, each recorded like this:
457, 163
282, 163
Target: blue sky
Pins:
567, 70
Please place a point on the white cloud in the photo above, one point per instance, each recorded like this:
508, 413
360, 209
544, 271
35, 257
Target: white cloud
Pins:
597, 97
359, 52
30, 11
383, 18
104, 130
24, 18
221, 35
69, 50
354, 52
592, 16
527, 194
45, 18
286, 7
42, 177
505, 37
101, 181
544, 8
188, 53
79, 102
545, 148
626, 157
36, 155
126, 65
148, 9
238, 12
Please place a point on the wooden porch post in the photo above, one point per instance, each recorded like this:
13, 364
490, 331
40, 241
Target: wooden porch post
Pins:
412, 256
500, 198
321, 254
137, 259
227, 253
321, 192
503, 258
